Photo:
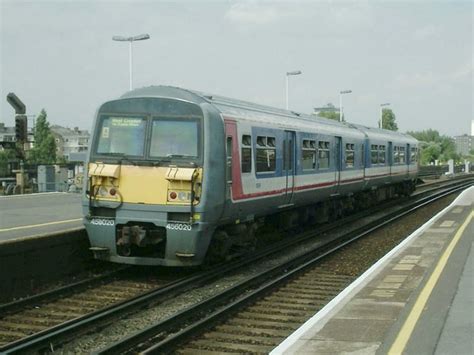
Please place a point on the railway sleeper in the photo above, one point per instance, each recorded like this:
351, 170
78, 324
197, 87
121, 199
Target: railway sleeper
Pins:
271, 317
251, 331
273, 310
225, 346
238, 337
252, 323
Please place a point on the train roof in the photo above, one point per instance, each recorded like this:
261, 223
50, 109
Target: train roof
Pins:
267, 114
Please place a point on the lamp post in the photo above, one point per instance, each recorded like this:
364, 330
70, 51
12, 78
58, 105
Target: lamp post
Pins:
340, 102
130, 40
381, 113
295, 72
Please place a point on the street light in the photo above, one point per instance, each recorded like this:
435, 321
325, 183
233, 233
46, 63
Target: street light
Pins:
295, 72
381, 113
130, 40
340, 103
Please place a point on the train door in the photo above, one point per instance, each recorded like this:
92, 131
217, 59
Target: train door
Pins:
289, 167
338, 158
390, 158
228, 166
233, 184
407, 160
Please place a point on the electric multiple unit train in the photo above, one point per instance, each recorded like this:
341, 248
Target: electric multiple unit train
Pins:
176, 175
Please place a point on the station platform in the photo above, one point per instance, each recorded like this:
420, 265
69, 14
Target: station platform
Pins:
26, 216
418, 299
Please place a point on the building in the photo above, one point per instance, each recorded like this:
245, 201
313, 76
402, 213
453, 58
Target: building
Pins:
70, 141
7, 134
464, 144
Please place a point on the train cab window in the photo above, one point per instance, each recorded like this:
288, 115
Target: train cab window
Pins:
381, 154
266, 154
308, 154
413, 155
374, 154
246, 154
122, 135
396, 155
350, 155
323, 155
402, 155
175, 138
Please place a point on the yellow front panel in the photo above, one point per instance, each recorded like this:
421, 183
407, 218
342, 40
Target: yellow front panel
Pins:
140, 184
143, 184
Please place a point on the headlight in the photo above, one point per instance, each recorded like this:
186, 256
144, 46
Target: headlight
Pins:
103, 191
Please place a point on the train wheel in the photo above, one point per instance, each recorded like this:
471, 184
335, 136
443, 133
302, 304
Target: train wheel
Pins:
219, 247
252, 236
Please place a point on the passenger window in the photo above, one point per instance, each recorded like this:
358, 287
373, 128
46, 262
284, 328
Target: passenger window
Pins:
309, 154
374, 155
413, 155
381, 154
396, 156
246, 154
266, 154
402, 155
323, 155
350, 155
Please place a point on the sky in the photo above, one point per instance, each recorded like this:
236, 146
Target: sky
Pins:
415, 55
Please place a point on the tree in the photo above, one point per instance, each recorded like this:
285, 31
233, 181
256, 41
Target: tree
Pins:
388, 120
430, 152
429, 135
5, 156
445, 147
44, 151
330, 113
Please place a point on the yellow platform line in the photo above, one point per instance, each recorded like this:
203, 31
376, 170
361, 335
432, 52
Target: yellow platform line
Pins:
40, 225
404, 335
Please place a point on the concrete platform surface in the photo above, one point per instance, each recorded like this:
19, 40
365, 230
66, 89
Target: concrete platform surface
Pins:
22, 216
418, 299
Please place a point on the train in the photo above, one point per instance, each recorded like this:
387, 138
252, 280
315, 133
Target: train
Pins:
177, 177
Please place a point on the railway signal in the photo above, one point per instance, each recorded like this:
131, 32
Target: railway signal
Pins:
21, 128
17, 104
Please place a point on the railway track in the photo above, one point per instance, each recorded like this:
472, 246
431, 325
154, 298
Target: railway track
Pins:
257, 314
62, 306
55, 330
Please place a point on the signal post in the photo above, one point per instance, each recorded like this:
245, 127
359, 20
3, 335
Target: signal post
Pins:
21, 135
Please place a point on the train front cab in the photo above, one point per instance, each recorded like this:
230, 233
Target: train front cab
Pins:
137, 205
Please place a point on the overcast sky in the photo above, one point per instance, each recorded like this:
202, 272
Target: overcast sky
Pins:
417, 55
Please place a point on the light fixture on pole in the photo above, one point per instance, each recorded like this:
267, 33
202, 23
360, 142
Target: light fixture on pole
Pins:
295, 72
381, 113
340, 102
130, 40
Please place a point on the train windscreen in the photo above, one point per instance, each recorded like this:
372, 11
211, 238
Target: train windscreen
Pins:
175, 138
122, 135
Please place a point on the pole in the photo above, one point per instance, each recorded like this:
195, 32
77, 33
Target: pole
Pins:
287, 105
130, 61
381, 117
340, 107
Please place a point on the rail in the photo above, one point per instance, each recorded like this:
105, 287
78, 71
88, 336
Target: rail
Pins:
61, 334
180, 327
